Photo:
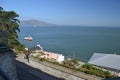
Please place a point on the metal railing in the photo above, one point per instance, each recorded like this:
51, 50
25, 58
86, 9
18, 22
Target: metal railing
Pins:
3, 41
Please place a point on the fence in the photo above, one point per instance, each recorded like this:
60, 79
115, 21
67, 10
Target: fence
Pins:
3, 41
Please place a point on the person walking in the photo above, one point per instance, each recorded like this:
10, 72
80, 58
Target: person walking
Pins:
27, 56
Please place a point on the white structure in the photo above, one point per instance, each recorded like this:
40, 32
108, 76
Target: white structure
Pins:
60, 58
109, 61
26, 49
36, 48
40, 46
50, 55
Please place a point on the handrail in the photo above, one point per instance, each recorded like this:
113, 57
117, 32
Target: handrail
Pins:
3, 49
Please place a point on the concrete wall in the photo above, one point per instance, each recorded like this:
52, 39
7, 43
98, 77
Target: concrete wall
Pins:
7, 64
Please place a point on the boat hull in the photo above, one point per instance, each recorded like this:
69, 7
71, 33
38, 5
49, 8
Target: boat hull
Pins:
28, 38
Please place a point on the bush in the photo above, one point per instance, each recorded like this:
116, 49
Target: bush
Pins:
90, 69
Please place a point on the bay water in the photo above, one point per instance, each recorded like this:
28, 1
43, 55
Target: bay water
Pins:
73, 41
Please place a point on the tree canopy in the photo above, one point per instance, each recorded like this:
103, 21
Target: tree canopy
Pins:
10, 24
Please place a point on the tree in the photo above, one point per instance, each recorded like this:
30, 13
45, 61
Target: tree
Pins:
10, 24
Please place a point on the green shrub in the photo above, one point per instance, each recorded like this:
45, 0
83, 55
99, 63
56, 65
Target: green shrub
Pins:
90, 69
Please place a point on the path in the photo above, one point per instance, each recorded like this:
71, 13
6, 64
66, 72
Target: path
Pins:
29, 71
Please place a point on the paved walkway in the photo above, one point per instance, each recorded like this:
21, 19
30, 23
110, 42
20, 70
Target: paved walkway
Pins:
23, 74
49, 73
31, 71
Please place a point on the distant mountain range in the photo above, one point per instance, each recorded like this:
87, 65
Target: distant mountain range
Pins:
34, 22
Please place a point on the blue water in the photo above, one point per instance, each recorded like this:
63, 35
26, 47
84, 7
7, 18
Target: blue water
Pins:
73, 42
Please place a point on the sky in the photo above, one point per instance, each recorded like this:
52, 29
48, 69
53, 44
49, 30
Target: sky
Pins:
67, 12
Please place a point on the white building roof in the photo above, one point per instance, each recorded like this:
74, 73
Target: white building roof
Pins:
106, 60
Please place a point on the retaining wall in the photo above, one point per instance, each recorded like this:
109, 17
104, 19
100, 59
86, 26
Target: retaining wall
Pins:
7, 65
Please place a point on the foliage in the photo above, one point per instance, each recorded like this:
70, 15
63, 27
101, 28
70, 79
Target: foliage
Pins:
90, 69
70, 63
86, 68
10, 24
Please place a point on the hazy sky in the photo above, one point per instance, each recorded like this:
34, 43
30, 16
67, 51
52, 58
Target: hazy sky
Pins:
67, 12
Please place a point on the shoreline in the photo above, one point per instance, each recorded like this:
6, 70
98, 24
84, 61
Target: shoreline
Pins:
82, 41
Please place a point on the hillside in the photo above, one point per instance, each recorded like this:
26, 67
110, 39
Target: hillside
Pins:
34, 22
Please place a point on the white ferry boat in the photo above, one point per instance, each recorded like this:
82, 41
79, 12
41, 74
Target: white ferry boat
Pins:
28, 38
